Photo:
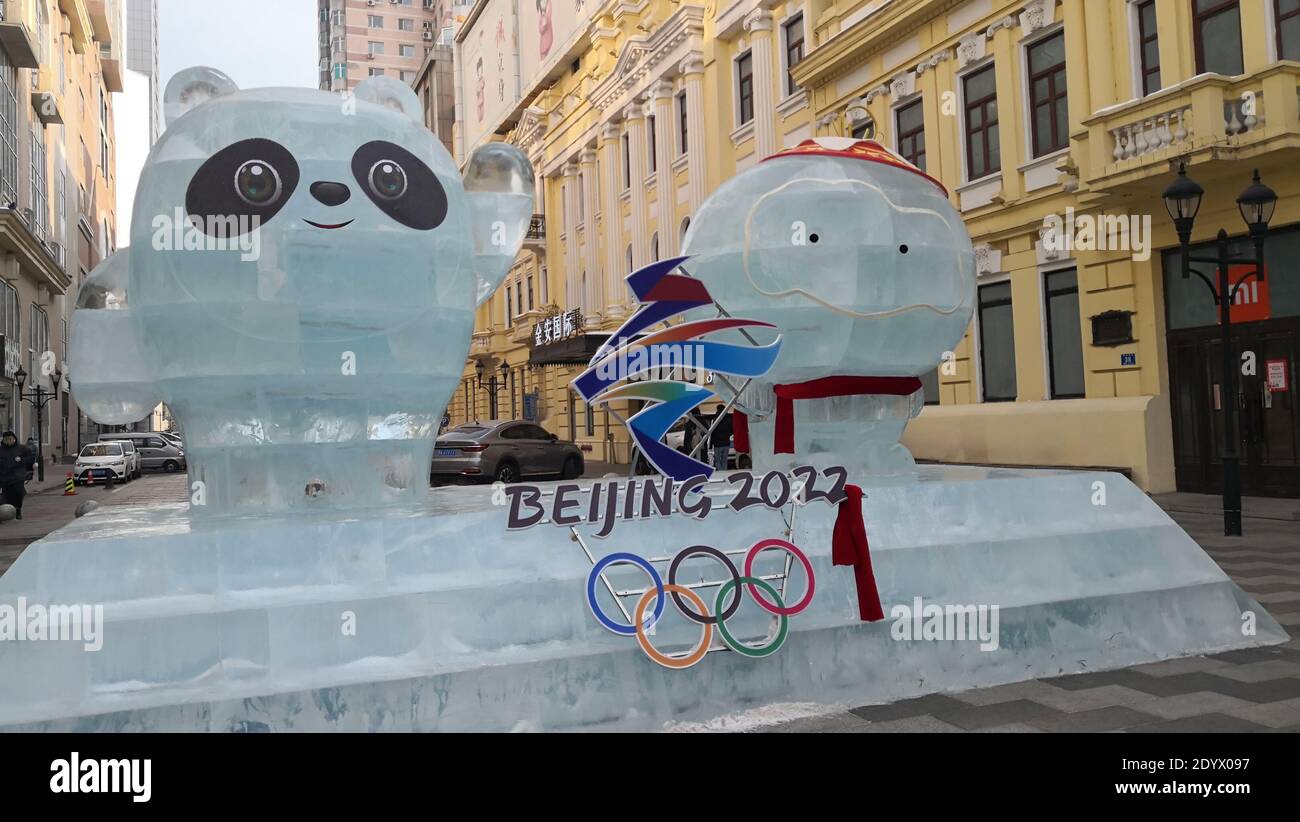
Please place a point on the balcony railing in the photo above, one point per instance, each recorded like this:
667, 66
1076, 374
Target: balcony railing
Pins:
536, 229
1137, 139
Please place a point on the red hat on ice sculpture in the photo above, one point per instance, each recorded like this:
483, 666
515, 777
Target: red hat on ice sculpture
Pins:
854, 149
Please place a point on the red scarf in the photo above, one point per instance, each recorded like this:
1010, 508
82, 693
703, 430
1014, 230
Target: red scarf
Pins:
849, 547
816, 390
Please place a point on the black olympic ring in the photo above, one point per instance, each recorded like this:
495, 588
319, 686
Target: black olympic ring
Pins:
677, 598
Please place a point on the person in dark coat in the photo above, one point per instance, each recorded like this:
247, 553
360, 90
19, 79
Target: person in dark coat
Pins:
15, 463
720, 439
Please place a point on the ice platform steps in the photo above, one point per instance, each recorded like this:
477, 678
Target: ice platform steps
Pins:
436, 617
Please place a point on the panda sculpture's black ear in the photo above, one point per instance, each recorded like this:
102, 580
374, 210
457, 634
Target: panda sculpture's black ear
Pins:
391, 93
193, 87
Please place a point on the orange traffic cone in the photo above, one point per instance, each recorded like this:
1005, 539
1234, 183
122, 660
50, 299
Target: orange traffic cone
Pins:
69, 486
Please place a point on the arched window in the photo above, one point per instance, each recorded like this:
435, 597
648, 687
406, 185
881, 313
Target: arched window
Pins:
654, 247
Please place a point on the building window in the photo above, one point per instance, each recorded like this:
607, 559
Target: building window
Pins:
40, 197
8, 131
686, 225
374, 21
1149, 47
1064, 335
793, 35
864, 130
374, 47
681, 121
530, 292
654, 247
519, 298
630, 269
10, 311
591, 421
745, 88
627, 161
650, 141
62, 208
910, 127
405, 24
376, 72
406, 51
546, 291
1216, 26
1049, 112
1286, 13
997, 343
507, 312
408, 77
983, 148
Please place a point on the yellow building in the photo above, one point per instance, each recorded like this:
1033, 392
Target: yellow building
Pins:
1055, 126
60, 64
1084, 351
632, 113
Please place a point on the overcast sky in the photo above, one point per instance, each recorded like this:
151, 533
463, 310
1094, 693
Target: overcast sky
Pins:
256, 42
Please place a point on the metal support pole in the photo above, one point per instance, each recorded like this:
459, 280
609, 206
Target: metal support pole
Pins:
1231, 459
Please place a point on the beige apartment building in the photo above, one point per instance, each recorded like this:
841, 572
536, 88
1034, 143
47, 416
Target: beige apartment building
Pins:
60, 64
435, 86
370, 38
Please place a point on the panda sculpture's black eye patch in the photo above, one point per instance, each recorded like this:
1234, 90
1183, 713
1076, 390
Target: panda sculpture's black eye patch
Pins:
242, 186
400, 184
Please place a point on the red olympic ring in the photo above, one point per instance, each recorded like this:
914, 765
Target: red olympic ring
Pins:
761, 546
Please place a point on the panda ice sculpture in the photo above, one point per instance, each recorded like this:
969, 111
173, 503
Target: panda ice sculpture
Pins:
866, 270
299, 289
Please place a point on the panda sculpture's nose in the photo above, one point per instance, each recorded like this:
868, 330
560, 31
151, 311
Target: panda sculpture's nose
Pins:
331, 194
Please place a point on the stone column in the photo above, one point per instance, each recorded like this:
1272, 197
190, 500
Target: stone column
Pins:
759, 26
570, 276
592, 300
665, 182
697, 155
612, 214
634, 115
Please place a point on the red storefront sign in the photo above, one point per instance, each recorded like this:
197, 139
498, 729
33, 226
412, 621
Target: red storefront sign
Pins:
1252, 301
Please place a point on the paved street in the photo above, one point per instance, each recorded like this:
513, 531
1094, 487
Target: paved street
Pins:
1250, 690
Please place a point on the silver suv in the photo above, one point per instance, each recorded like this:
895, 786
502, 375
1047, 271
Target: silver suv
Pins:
502, 451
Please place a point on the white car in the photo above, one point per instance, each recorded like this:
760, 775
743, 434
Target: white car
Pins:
103, 461
132, 458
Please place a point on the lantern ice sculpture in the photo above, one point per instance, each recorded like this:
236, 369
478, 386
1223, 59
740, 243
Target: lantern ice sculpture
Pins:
299, 289
865, 269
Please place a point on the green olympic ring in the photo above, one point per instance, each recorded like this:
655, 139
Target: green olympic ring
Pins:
735, 644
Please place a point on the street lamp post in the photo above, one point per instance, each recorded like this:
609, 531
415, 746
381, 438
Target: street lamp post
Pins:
492, 387
1256, 204
38, 397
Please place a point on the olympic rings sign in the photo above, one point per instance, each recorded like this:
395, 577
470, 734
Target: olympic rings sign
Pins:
693, 608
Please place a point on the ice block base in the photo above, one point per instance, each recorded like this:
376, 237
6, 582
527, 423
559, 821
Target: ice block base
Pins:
434, 617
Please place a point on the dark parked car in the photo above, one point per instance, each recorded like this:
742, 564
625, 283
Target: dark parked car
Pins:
503, 451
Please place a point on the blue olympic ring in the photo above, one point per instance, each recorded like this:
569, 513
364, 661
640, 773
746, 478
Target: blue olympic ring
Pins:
633, 559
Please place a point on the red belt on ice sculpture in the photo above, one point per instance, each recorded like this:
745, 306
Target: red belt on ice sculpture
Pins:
816, 390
